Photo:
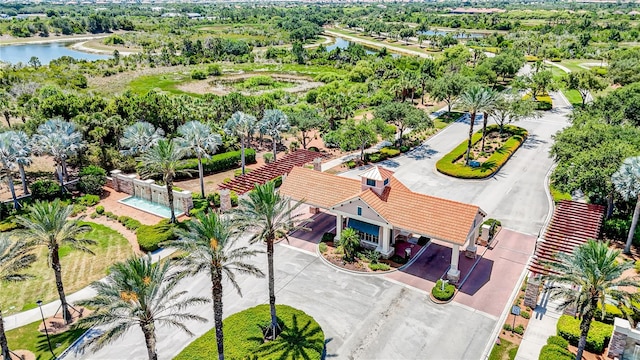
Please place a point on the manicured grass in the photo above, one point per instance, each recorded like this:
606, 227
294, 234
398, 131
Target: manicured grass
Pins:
302, 337
558, 195
79, 269
447, 164
29, 338
505, 351
164, 82
573, 96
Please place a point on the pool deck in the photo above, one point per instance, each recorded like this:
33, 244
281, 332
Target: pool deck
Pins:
111, 202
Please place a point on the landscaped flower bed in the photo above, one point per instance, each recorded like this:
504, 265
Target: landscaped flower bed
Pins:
498, 149
363, 262
443, 293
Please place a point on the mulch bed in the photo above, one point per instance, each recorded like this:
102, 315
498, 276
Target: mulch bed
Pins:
56, 325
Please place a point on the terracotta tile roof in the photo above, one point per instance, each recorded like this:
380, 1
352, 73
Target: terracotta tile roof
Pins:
422, 214
318, 188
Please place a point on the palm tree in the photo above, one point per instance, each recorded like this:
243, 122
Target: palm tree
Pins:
163, 160
209, 245
9, 160
14, 258
593, 270
47, 224
61, 140
626, 181
139, 293
139, 137
240, 125
273, 124
22, 143
270, 216
474, 100
199, 138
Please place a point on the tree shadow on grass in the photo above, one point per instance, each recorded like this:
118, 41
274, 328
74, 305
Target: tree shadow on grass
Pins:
63, 339
295, 342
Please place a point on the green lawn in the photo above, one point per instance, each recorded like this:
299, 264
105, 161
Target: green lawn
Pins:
79, 269
505, 351
164, 82
573, 96
29, 338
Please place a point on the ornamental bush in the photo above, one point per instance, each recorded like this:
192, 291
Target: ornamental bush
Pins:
554, 352
443, 295
92, 179
151, 236
45, 190
558, 341
599, 334
301, 335
87, 200
447, 164
611, 312
379, 267
220, 162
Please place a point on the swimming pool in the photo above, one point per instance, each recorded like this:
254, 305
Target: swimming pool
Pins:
150, 207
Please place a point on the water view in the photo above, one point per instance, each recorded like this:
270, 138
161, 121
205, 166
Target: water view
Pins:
341, 43
46, 52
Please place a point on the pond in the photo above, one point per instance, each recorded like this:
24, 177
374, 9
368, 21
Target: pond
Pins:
340, 43
45, 52
457, 36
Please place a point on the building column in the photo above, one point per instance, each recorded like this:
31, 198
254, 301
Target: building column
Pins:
532, 291
454, 274
338, 226
387, 251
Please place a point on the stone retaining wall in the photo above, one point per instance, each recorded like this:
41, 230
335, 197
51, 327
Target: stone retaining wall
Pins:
624, 340
148, 190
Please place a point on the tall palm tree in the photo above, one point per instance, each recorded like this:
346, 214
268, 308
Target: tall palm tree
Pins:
15, 257
47, 224
240, 125
139, 137
138, 292
209, 245
9, 160
22, 143
273, 124
626, 181
270, 216
486, 111
474, 100
199, 139
60, 139
163, 160
593, 270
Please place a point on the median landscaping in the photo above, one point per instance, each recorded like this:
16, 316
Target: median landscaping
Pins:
499, 146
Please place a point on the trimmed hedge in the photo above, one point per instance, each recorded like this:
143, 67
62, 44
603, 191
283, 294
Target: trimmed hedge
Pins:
441, 295
611, 312
220, 162
555, 352
150, 236
45, 190
597, 339
379, 267
243, 337
558, 341
447, 165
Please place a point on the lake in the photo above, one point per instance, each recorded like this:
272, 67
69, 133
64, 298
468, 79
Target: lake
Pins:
45, 52
341, 43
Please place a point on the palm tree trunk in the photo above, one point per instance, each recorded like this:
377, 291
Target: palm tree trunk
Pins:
484, 128
469, 144
201, 173
57, 270
23, 177
169, 184
65, 173
242, 153
150, 340
60, 178
4, 346
272, 288
585, 324
216, 289
632, 230
16, 204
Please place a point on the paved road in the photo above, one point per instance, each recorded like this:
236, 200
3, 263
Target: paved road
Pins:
363, 317
516, 195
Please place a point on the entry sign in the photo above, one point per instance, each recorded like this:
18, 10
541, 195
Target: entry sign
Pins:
515, 310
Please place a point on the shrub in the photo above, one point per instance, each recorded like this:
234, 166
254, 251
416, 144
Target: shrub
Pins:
554, 352
199, 205
525, 314
379, 267
77, 209
328, 237
100, 209
597, 339
151, 236
507, 327
611, 312
372, 256
443, 295
219, 162
45, 190
198, 74
519, 329
111, 215
531, 58
92, 179
238, 172
234, 198
214, 199
544, 102
87, 200
214, 70
447, 164
8, 225
94, 215
268, 158
558, 341
322, 247
277, 182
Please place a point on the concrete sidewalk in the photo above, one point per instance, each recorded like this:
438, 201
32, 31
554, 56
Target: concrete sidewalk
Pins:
541, 325
50, 309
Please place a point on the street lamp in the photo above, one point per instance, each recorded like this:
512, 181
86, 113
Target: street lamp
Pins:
39, 302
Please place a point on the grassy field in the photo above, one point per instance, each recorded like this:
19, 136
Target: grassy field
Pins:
164, 82
505, 351
29, 338
79, 269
